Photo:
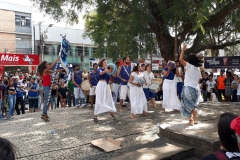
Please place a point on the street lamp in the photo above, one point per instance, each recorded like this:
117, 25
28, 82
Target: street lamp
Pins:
42, 38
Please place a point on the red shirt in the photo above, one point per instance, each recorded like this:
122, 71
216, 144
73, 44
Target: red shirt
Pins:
46, 80
0, 91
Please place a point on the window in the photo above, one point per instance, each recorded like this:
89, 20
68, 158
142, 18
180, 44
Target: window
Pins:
28, 22
22, 21
17, 20
79, 51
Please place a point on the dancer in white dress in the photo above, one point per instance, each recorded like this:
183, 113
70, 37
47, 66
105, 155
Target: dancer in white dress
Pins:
137, 97
170, 98
104, 100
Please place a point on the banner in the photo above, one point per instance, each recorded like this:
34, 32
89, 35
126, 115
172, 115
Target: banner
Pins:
91, 62
63, 53
222, 62
14, 59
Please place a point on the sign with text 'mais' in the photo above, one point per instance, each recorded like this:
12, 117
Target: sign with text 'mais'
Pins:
11, 59
222, 62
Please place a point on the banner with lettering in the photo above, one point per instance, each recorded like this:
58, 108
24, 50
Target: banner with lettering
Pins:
222, 62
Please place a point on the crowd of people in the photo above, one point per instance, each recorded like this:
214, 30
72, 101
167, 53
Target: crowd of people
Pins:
178, 83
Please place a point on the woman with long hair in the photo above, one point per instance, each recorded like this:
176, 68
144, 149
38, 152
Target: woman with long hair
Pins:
190, 93
44, 72
104, 100
228, 90
228, 138
62, 92
11, 98
137, 98
148, 76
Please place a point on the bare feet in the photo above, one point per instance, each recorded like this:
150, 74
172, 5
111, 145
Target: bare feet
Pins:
145, 114
190, 123
132, 116
195, 121
121, 110
155, 106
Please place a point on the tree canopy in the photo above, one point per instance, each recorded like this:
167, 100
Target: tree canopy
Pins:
130, 27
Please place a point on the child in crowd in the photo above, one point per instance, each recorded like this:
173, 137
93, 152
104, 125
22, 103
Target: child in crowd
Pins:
214, 95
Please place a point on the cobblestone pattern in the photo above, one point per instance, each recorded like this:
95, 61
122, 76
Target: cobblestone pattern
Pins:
74, 131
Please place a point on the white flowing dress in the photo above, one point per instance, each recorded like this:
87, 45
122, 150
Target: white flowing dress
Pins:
137, 97
104, 101
170, 98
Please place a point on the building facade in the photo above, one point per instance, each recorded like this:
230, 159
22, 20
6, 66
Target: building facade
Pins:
15, 28
15, 31
81, 52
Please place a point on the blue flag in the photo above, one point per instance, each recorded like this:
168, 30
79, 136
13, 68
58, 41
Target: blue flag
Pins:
63, 57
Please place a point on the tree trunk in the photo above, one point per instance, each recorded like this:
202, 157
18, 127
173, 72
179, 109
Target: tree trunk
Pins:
214, 52
166, 46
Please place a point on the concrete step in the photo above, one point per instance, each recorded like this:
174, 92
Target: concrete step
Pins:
165, 151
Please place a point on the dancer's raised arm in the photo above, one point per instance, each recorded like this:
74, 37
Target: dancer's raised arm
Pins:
181, 59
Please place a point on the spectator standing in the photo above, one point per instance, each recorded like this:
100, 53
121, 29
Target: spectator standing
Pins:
228, 90
11, 98
234, 87
203, 85
71, 94
54, 95
220, 85
33, 89
24, 90
62, 92
19, 98
210, 84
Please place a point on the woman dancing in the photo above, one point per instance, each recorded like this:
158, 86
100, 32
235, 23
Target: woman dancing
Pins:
190, 90
137, 97
170, 98
104, 100
44, 72
148, 76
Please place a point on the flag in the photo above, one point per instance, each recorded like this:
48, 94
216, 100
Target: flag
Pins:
65, 46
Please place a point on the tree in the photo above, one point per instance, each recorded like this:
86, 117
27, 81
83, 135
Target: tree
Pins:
122, 24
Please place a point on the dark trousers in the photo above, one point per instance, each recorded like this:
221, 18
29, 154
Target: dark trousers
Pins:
33, 103
69, 100
87, 100
234, 95
58, 100
158, 95
220, 93
20, 100
179, 89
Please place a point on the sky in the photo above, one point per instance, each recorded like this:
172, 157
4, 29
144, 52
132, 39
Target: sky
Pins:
37, 16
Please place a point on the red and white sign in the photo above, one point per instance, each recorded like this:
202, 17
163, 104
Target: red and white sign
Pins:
11, 59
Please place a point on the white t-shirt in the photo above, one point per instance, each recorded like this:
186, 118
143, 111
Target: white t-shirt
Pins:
136, 76
238, 90
214, 97
192, 76
210, 85
148, 77
179, 79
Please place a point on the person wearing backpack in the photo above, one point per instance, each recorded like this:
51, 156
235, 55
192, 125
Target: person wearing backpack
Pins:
229, 145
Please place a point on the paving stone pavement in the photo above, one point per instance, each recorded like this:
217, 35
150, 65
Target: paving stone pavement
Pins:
74, 131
